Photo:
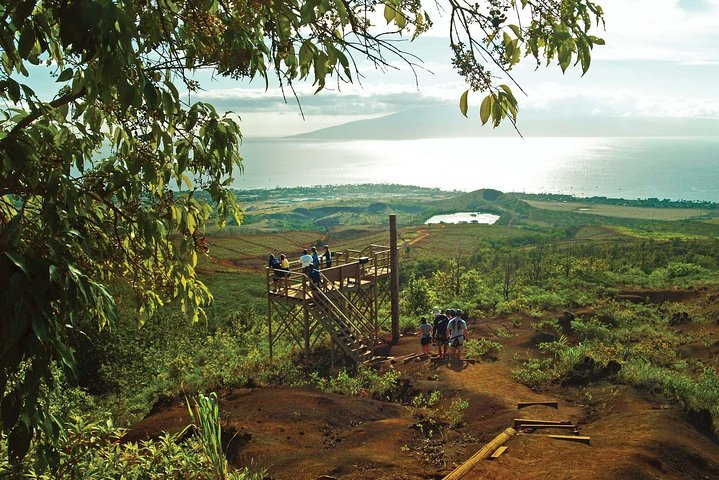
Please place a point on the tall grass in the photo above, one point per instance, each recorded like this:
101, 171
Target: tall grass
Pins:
206, 417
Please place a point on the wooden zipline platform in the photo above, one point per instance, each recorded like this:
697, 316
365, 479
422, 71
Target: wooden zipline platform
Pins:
348, 303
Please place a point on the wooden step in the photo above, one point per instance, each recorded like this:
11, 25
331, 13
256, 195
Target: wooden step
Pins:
532, 421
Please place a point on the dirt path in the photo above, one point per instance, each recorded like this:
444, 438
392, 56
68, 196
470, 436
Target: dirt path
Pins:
298, 434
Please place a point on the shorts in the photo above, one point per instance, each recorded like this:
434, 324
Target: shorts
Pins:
456, 342
439, 338
425, 340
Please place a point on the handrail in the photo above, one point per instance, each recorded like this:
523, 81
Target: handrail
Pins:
337, 311
362, 319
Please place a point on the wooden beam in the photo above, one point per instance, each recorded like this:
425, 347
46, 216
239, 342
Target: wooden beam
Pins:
572, 438
484, 452
553, 404
536, 426
526, 421
394, 278
498, 452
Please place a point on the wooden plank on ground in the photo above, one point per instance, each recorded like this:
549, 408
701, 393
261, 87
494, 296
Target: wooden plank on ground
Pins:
553, 404
572, 438
534, 421
411, 357
498, 452
536, 426
483, 453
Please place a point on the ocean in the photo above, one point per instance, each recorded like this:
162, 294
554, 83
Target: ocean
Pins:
677, 168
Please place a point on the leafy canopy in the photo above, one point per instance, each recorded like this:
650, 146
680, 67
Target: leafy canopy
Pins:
89, 176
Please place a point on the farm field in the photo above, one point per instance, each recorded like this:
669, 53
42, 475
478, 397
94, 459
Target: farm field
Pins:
620, 211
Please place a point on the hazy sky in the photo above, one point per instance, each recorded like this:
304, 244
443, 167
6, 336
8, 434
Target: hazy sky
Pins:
661, 59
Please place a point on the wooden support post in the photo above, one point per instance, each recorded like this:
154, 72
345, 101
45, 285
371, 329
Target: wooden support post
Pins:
483, 453
306, 331
394, 277
332, 355
269, 324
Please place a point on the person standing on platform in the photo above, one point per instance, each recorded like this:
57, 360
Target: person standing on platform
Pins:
274, 264
315, 258
305, 262
327, 256
285, 266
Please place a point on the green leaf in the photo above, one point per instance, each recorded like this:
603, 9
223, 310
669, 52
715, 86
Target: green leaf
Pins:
463, 103
517, 31
486, 109
400, 20
389, 12
19, 441
497, 113
27, 40
18, 261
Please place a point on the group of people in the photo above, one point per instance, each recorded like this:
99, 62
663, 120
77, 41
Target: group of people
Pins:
309, 263
448, 330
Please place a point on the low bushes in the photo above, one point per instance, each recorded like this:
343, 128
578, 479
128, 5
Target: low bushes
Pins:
483, 349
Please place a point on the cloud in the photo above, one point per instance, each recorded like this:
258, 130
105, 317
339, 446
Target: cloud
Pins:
659, 30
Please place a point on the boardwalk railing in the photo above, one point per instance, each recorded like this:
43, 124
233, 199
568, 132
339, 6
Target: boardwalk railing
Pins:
348, 269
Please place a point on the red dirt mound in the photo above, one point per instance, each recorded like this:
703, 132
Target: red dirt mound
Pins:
298, 434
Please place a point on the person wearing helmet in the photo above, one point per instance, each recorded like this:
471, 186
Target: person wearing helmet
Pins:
439, 333
457, 333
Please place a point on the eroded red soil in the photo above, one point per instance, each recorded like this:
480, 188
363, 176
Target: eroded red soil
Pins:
298, 434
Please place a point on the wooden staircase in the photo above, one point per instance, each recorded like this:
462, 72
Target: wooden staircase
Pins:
352, 333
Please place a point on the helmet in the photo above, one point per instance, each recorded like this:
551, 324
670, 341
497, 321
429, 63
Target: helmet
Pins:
450, 311
458, 312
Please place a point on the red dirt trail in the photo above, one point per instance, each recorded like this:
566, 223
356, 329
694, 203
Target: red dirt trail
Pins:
299, 434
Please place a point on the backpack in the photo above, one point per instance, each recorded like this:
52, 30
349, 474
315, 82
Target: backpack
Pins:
441, 323
454, 325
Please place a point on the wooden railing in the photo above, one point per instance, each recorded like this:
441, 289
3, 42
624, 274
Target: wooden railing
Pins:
331, 289
348, 269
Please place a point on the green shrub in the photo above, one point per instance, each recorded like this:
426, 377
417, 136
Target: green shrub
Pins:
417, 297
483, 349
591, 329
367, 382
697, 393
536, 297
548, 326
429, 400
91, 450
536, 373
455, 412
676, 270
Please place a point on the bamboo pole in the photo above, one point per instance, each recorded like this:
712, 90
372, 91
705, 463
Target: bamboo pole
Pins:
483, 453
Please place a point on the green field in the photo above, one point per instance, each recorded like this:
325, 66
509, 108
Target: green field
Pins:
621, 211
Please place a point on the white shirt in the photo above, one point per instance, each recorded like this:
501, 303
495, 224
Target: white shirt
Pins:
305, 260
456, 326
